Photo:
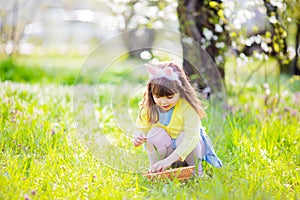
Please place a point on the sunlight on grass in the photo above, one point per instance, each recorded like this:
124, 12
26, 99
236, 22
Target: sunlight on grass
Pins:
42, 157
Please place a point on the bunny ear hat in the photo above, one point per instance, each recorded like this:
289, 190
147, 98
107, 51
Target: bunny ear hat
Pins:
166, 72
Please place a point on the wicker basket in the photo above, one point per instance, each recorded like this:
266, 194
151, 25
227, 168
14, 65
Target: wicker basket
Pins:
180, 173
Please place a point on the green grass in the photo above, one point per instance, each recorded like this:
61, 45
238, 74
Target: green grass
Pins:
27, 72
65, 70
42, 157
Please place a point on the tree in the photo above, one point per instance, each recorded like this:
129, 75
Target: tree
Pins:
279, 15
133, 15
295, 65
292, 11
265, 32
14, 16
205, 23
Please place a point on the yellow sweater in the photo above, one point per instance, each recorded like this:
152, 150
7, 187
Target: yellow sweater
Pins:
184, 119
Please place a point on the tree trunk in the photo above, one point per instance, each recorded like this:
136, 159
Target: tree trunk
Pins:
295, 65
138, 40
196, 17
189, 29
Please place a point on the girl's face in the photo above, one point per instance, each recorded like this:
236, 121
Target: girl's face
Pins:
166, 102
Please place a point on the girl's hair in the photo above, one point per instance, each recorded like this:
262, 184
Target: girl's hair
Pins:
164, 87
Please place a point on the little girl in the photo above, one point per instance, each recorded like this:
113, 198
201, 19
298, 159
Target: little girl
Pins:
170, 121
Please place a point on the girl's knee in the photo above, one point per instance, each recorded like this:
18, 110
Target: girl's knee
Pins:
157, 136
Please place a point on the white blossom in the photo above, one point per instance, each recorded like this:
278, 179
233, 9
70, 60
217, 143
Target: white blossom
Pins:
264, 46
272, 19
220, 44
207, 34
257, 39
218, 28
278, 3
219, 59
259, 56
248, 42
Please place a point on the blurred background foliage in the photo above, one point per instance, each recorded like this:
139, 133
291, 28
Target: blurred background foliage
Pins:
52, 42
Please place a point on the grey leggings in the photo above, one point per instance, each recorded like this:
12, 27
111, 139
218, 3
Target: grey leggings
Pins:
159, 145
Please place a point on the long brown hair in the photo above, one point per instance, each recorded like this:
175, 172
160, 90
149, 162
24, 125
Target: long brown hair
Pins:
165, 87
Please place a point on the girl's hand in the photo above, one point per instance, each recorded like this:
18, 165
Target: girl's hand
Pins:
139, 140
163, 164
160, 166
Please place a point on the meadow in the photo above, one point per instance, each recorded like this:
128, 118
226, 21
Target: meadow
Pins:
42, 156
